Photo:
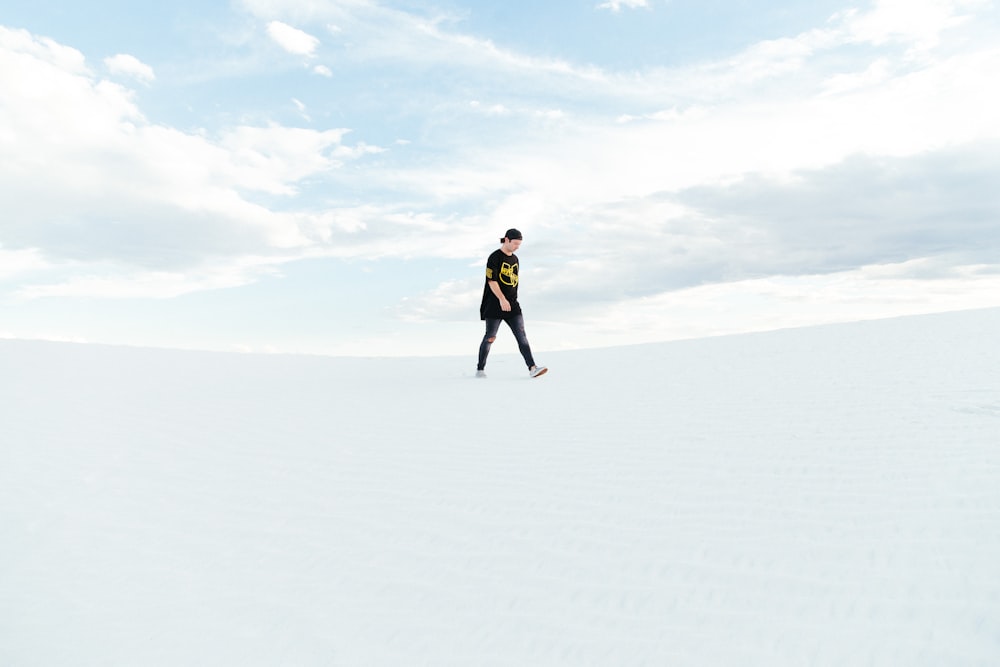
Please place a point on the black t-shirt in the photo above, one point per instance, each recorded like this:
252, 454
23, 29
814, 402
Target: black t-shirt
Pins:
502, 269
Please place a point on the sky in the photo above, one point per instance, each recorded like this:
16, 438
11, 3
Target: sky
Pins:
329, 176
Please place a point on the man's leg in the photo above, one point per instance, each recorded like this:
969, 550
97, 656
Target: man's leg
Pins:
492, 327
516, 324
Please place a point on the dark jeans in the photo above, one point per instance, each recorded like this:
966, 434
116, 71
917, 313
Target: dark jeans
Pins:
516, 324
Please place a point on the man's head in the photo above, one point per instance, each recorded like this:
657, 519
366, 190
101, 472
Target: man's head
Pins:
511, 240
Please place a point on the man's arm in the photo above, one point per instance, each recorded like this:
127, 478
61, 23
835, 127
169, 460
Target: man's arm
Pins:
495, 288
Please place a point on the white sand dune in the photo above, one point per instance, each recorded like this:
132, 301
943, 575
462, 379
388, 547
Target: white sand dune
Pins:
822, 496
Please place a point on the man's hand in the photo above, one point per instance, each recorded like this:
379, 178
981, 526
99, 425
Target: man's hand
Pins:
495, 288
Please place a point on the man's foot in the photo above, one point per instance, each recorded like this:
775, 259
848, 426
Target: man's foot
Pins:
480, 374
536, 371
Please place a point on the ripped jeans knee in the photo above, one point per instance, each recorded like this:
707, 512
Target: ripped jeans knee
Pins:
516, 324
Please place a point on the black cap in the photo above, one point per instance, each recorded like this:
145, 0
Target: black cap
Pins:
512, 234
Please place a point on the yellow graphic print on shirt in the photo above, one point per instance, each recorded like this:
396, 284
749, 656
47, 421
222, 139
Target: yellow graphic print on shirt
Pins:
508, 274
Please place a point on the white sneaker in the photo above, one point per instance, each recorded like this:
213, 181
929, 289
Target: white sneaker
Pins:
537, 371
480, 374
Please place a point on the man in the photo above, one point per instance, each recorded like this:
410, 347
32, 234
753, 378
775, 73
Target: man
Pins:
500, 303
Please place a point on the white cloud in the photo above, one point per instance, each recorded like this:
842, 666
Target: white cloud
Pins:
875, 74
920, 24
777, 107
762, 304
292, 39
272, 159
86, 178
110, 282
130, 66
44, 49
385, 34
617, 5
782, 104
19, 262
44, 335
323, 70
490, 109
